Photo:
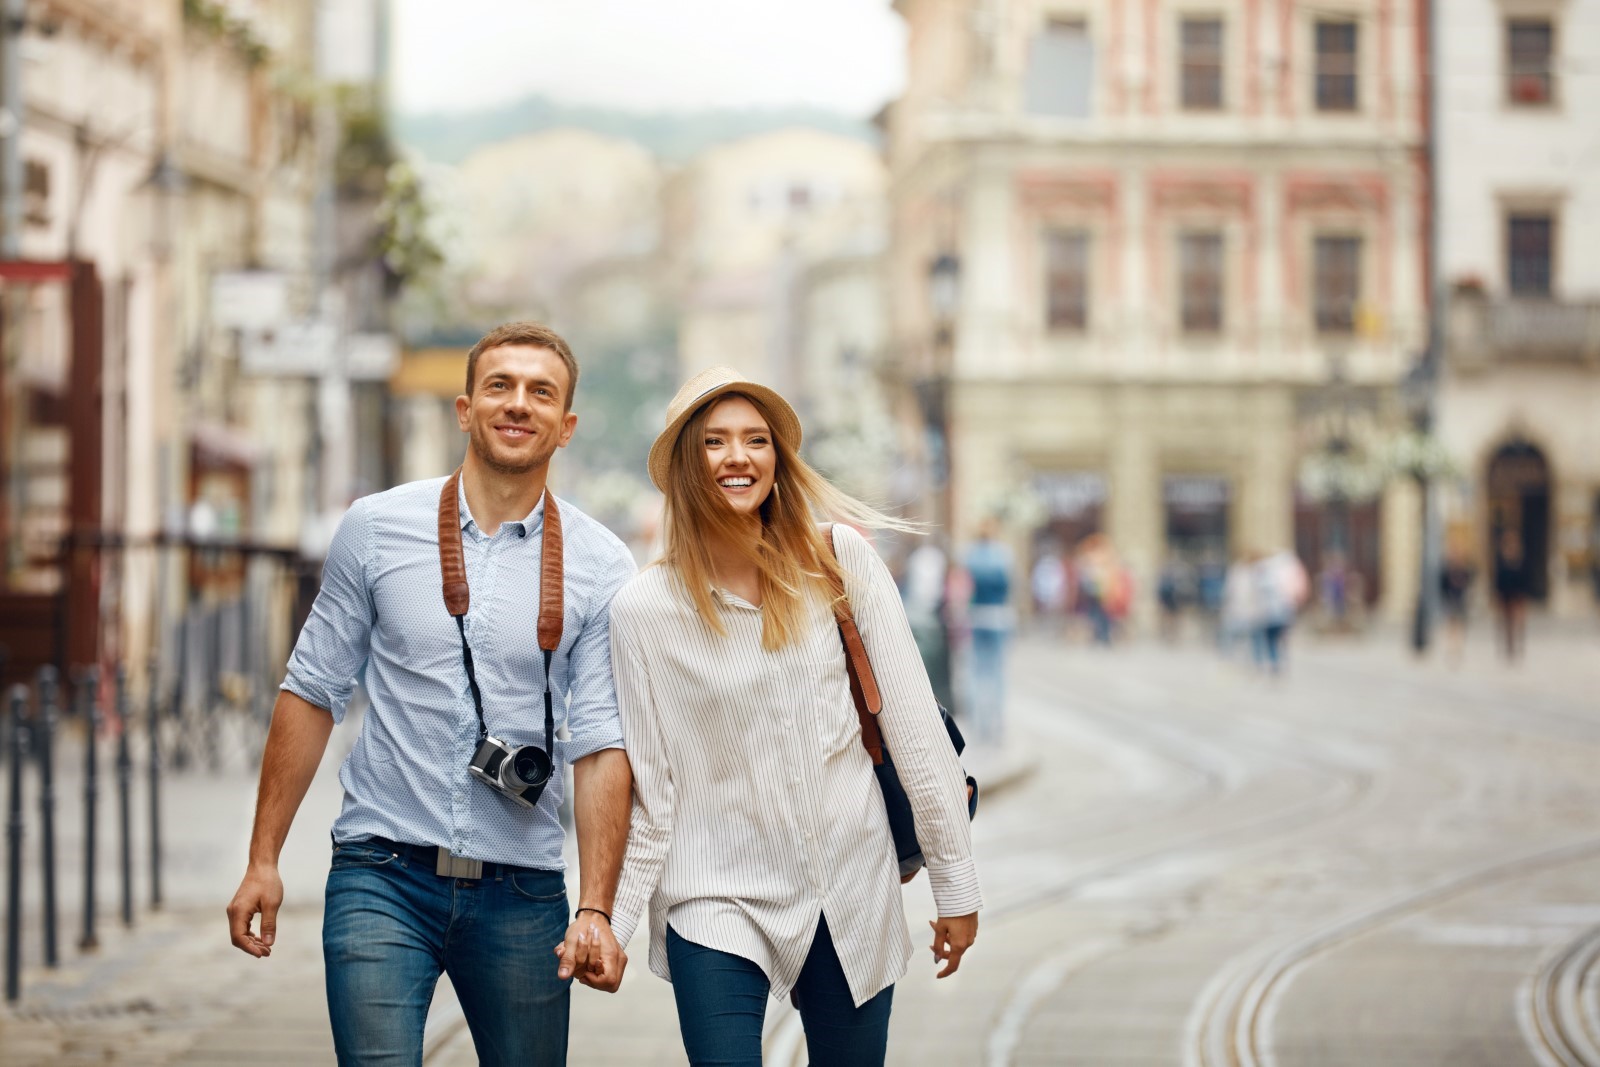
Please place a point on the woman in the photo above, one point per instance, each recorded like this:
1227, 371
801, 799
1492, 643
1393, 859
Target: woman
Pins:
758, 835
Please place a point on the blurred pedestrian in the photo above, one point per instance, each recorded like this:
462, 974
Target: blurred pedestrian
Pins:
759, 838
1512, 584
1333, 589
1240, 614
990, 619
1172, 592
1050, 592
420, 833
1280, 590
1455, 583
1210, 584
1102, 585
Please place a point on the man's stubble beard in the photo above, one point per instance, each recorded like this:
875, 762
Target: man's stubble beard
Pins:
483, 448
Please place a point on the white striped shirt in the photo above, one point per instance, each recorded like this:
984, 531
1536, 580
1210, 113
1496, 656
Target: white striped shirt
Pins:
755, 806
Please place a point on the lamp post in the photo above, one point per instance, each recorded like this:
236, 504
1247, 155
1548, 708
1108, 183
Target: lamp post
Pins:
933, 398
1341, 471
933, 389
1423, 464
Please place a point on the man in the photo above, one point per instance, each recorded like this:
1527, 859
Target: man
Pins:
433, 871
991, 619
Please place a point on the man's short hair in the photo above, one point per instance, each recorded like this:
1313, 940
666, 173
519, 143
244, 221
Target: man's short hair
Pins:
532, 334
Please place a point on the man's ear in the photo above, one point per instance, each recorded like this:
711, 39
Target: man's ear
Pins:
463, 406
569, 423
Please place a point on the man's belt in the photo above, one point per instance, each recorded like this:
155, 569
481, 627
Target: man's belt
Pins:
441, 861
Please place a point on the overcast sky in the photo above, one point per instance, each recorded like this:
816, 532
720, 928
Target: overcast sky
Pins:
846, 55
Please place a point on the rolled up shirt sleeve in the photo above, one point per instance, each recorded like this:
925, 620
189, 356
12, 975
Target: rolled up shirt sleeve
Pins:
331, 652
926, 763
592, 720
650, 828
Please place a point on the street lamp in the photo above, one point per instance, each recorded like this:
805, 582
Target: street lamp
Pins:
933, 397
1341, 470
1419, 456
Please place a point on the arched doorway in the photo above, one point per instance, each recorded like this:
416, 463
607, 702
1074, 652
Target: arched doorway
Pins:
1519, 499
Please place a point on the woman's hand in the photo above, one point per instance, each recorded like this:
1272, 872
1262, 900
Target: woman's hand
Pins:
951, 939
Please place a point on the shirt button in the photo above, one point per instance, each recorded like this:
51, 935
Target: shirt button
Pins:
808, 835
788, 724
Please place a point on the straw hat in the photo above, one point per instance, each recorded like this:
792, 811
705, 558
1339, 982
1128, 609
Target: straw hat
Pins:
701, 390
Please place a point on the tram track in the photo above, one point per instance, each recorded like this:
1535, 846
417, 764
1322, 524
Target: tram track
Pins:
1231, 1021
1562, 1004
1230, 1024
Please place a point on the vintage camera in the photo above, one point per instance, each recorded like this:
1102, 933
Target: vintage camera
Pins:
520, 773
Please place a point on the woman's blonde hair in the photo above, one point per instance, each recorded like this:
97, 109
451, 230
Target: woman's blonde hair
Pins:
791, 554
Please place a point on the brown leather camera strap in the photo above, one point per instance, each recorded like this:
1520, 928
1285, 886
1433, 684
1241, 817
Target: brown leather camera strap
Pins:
863, 682
453, 566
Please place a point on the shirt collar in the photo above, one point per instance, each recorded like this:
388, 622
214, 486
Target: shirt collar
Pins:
527, 525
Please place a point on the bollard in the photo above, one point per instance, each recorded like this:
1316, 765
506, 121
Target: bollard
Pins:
153, 724
125, 795
89, 687
45, 746
18, 743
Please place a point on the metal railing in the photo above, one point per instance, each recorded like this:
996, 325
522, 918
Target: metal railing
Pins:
203, 700
1516, 329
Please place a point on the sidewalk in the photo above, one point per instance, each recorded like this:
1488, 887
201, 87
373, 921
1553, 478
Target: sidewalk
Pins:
172, 990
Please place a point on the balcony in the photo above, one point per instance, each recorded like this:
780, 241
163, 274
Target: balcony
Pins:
1485, 330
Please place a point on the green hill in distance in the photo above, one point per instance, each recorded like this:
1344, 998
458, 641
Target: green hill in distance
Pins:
449, 137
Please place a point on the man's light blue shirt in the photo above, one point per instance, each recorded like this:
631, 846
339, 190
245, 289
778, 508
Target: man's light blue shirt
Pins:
380, 618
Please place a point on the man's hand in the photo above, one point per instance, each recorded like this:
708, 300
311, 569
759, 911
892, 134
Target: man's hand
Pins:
951, 939
260, 892
591, 952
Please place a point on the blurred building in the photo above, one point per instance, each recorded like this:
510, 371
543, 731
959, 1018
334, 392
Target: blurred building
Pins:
562, 226
1150, 260
776, 245
763, 253
1519, 166
184, 380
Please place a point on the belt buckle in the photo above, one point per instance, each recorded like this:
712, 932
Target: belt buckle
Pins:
448, 866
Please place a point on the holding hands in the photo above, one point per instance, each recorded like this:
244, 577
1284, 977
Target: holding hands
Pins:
590, 951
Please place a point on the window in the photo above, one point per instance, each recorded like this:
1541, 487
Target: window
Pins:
1200, 282
1336, 269
1067, 280
1336, 45
1530, 240
1200, 61
36, 192
1530, 74
1061, 69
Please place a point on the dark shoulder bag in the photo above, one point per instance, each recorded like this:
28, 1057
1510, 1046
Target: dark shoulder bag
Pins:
869, 702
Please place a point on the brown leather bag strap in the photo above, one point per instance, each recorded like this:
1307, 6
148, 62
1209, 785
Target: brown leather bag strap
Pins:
453, 567
863, 682
552, 610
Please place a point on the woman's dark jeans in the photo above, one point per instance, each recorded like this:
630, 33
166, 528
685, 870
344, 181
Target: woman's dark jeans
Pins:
722, 1000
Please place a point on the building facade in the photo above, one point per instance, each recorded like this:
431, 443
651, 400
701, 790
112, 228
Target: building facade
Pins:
1520, 200
1155, 266
181, 173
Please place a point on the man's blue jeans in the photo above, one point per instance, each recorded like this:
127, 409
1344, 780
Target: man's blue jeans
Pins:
722, 1000
392, 926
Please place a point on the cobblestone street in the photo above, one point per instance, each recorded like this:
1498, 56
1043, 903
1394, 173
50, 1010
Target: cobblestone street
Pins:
1369, 861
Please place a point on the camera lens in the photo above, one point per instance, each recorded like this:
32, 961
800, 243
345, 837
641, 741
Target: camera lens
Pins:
530, 765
